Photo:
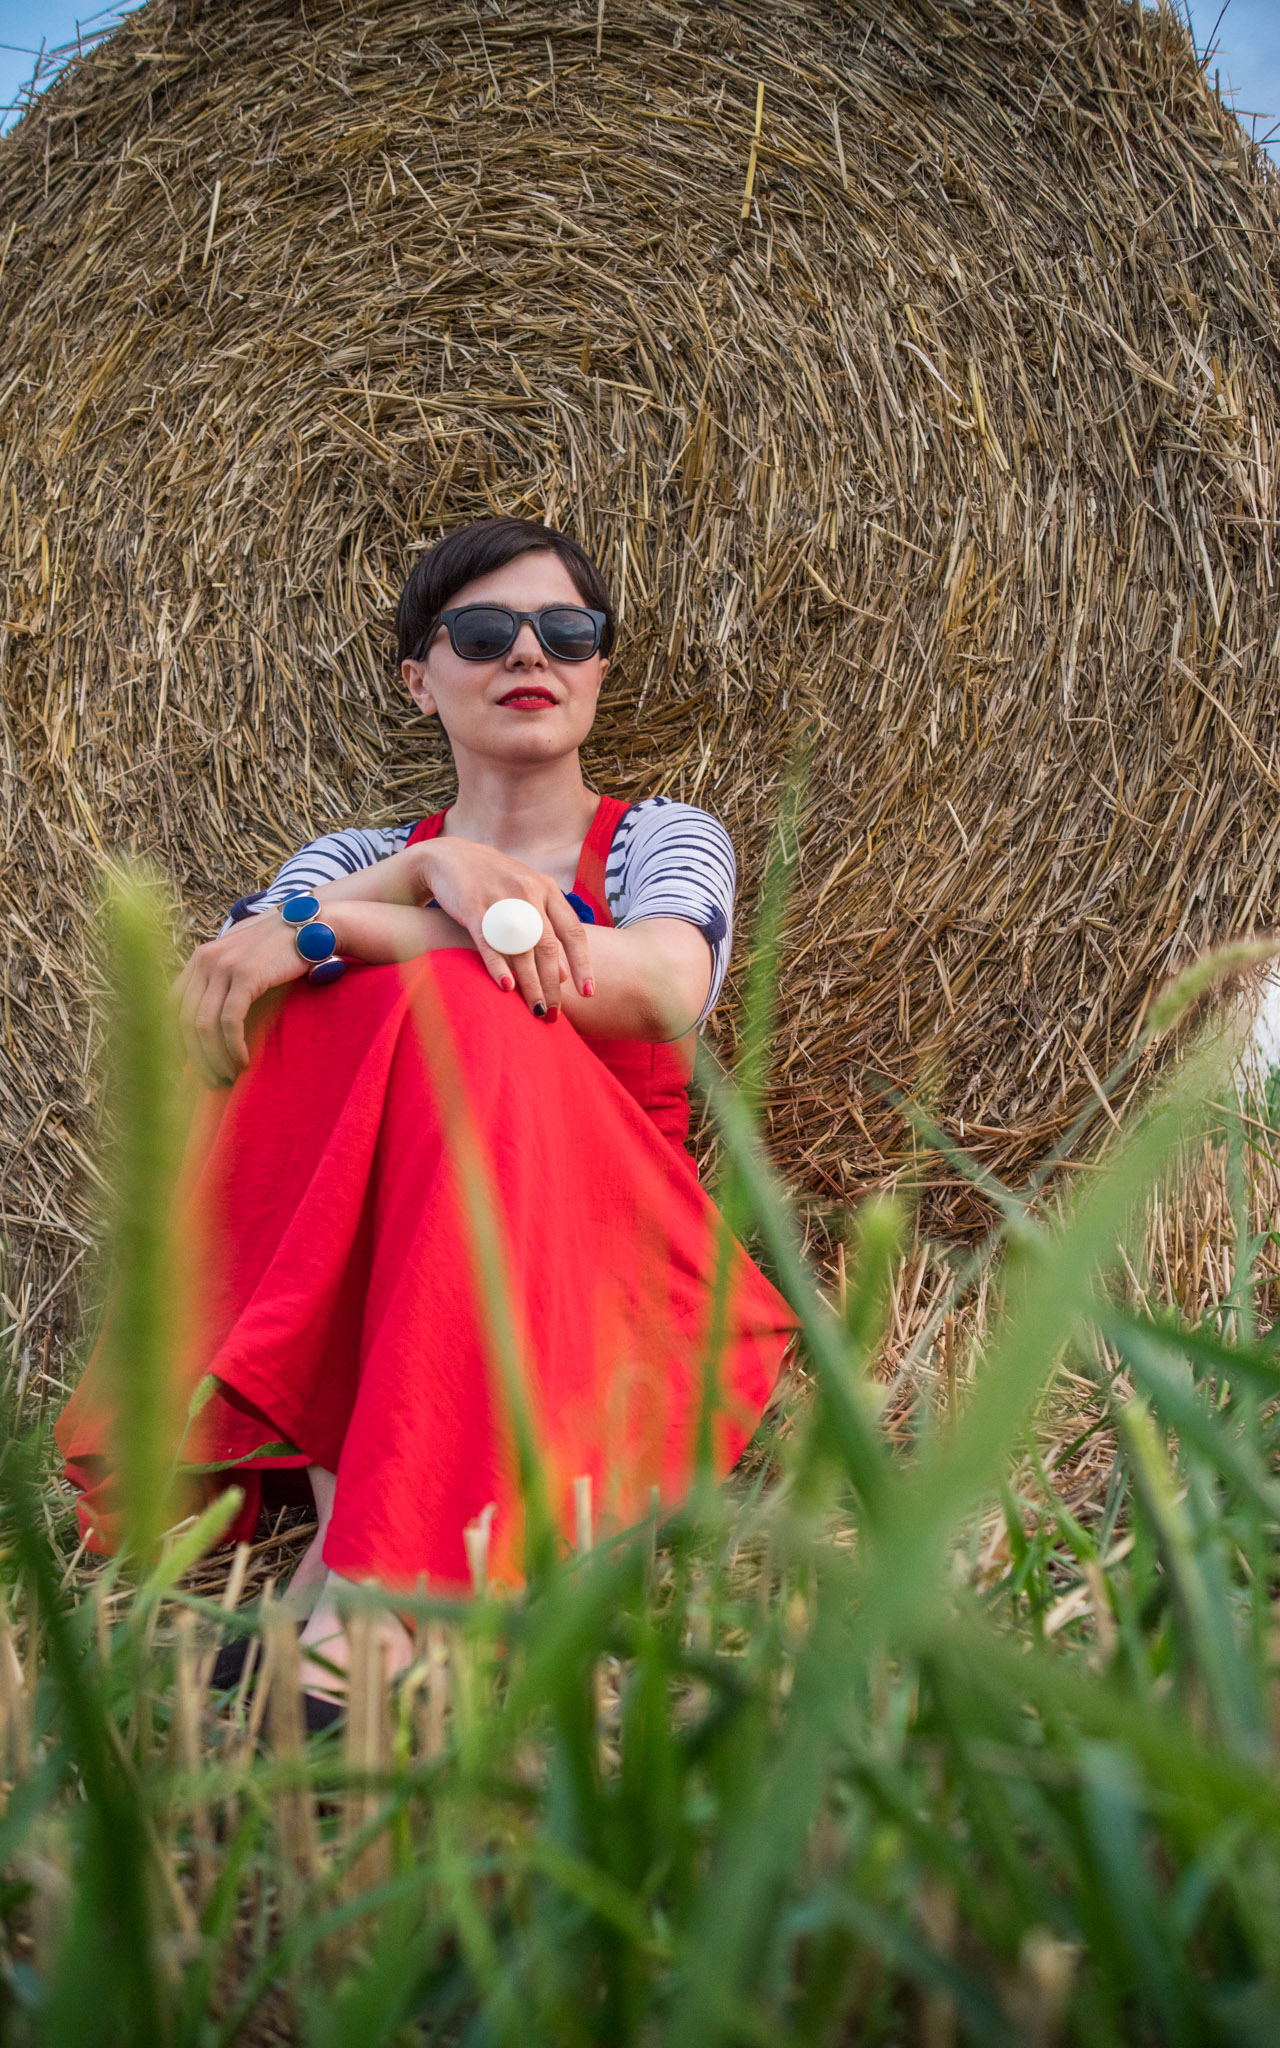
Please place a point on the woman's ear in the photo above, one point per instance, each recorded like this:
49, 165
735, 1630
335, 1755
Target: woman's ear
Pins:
415, 681
604, 668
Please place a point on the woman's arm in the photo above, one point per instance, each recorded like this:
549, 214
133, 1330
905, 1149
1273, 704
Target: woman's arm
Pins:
650, 980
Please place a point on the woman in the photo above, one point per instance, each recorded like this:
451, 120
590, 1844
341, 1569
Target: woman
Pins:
344, 1324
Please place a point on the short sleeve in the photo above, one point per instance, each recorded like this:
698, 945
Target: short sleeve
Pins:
671, 859
322, 860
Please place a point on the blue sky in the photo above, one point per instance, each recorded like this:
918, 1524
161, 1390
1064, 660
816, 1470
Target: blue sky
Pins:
28, 23
1248, 57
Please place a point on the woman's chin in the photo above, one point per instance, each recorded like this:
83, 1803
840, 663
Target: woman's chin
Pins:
530, 745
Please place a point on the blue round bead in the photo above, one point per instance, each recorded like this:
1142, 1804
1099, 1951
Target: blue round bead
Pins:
316, 941
300, 909
327, 971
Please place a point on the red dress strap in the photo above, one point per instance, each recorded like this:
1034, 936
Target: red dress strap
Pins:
589, 880
430, 828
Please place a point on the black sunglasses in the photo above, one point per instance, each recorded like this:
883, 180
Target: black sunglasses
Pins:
482, 632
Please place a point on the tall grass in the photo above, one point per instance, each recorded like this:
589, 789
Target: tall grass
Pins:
820, 1761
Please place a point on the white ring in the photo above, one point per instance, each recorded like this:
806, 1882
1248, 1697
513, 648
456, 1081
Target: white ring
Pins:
511, 925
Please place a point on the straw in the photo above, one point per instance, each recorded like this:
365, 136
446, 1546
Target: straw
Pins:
961, 448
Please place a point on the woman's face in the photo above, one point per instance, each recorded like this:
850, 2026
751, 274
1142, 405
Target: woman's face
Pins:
524, 706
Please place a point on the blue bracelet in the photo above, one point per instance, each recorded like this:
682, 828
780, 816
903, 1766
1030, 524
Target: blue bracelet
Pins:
316, 941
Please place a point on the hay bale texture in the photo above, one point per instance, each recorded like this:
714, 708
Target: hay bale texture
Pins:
912, 367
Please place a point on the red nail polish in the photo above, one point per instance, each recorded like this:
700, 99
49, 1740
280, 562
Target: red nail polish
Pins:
588, 988
507, 983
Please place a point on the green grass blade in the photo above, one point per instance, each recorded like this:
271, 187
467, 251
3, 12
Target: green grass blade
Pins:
1050, 1293
852, 1419
188, 1548
1181, 1408
106, 1989
1112, 1811
1256, 1363
146, 1105
1214, 1652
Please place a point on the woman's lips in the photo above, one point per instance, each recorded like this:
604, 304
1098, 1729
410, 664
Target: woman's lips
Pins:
528, 699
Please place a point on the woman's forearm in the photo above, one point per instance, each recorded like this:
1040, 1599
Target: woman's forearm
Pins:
381, 932
651, 981
398, 880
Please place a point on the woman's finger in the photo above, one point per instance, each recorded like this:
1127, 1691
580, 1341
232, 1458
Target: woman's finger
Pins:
497, 963
208, 1028
547, 956
188, 989
199, 1064
553, 971
192, 997
234, 1011
572, 934
207, 1075
529, 982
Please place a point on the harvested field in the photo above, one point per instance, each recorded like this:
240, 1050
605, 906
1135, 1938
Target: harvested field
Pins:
913, 371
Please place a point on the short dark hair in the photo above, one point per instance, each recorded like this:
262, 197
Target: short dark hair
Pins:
477, 550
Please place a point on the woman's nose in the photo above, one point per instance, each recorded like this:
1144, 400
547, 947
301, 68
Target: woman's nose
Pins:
526, 649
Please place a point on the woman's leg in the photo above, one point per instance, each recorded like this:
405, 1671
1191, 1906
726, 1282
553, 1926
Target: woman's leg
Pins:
326, 1636
348, 1309
312, 1595
311, 1570
324, 1631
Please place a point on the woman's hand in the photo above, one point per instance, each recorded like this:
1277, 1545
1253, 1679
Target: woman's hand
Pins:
466, 877
220, 983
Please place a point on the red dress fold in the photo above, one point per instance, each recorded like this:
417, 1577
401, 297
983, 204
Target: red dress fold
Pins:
346, 1320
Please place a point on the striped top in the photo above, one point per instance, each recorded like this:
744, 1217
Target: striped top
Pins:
667, 859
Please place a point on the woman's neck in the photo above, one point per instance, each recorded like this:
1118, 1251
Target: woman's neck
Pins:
539, 812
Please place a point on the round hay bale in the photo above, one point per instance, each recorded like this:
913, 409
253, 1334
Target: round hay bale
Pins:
913, 371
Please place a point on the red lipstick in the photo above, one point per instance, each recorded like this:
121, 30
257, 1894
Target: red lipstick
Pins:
527, 697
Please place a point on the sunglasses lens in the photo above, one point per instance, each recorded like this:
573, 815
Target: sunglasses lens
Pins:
482, 632
568, 632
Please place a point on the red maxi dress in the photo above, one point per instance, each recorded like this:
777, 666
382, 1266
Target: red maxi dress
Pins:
343, 1320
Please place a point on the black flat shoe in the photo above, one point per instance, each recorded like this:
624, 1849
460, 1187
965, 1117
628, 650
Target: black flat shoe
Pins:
228, 1665
321, 1714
